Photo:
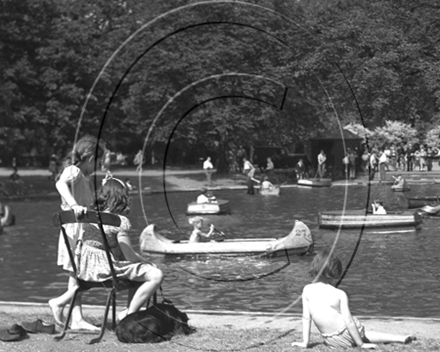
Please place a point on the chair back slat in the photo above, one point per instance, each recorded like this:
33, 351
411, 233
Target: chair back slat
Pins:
91, 217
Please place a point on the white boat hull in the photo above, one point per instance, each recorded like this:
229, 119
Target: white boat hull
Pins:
221, 206
298, 241
359, 219
323, 182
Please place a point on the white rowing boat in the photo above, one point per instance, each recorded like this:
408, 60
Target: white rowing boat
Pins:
359, 218
319, 182
270, 191
220, 206
298, 241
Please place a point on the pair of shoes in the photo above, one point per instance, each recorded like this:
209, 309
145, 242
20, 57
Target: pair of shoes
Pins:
39, 326
14, 333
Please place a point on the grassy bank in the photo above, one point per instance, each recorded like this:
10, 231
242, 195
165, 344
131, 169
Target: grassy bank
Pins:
221, 338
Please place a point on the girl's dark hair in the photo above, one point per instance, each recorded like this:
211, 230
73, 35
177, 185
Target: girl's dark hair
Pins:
84, 148
113, 196
330, 264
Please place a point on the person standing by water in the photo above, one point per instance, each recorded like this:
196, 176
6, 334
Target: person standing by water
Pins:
270, 167
73, 185
372, 164
365, 158
241, 155
209, 169
300, 169
321, 164
382, 164
138, 160
249, 169
53, 167
352, 156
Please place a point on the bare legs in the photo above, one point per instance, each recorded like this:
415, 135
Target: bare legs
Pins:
382, 337
57, 305
153, 280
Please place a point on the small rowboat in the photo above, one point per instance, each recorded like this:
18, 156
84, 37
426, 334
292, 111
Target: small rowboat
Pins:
418, 202
429, 210
220, 206
7, 218
270, 191
298, 241
358, 218
319, 182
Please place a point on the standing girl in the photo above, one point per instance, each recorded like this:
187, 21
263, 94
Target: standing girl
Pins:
73, 185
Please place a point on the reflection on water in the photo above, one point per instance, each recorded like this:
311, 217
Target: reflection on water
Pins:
391, 274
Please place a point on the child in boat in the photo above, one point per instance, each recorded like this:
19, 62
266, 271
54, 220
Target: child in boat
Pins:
327, 306
197, 234
266, 184
399, 183
378, 208
205, 197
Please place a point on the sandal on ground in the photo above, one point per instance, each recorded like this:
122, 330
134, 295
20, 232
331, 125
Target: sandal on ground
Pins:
39, 326
14, 333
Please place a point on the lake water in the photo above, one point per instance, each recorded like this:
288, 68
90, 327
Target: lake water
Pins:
394, 274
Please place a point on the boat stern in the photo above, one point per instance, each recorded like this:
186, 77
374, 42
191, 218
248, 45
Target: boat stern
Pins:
299, 238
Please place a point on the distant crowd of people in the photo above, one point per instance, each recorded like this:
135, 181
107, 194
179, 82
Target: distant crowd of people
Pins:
405, 158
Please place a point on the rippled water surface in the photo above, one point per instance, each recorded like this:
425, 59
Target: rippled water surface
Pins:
393, 274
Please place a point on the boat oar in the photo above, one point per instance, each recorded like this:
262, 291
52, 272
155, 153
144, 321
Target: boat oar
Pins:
221, 233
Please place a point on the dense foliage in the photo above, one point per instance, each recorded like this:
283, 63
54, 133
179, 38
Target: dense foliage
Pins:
217, 75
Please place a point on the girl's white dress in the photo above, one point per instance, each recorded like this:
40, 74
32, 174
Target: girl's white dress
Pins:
80, 188
93, 262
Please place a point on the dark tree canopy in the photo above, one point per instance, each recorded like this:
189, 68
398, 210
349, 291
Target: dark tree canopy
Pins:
301, 66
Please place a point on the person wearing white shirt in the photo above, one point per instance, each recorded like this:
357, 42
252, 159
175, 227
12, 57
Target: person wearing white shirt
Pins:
204, 197
321, 164
378, 208
382, 163
208, 168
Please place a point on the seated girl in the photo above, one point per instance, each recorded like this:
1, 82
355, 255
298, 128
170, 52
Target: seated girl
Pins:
197, 233
327, 306
129, 265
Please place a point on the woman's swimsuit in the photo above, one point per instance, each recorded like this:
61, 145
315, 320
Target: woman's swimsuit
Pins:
342, 338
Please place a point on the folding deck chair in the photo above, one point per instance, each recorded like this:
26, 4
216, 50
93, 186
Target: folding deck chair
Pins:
113, 285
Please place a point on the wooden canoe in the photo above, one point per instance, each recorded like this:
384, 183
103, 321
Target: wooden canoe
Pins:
358, 218
421, 201
298, 241
220, 206
270, 191
323, 182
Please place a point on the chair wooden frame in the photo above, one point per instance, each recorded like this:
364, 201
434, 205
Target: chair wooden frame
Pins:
113, 285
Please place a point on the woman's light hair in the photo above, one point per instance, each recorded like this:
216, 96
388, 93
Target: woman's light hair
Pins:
326, 265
